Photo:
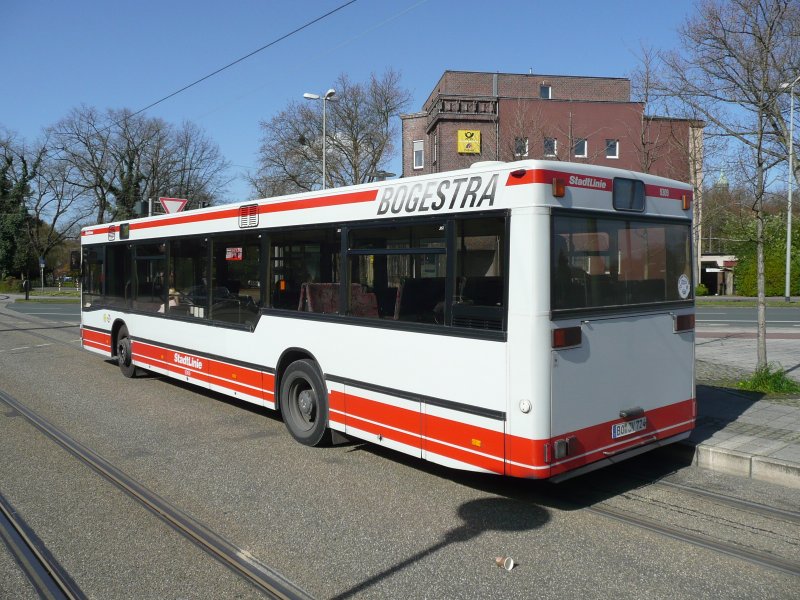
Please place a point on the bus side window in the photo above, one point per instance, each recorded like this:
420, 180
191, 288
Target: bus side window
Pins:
235, 287
478, 300
304, 256
398, 273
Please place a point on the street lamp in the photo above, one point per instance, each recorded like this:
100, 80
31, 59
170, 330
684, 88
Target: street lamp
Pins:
325, 98
787, 290
380, 175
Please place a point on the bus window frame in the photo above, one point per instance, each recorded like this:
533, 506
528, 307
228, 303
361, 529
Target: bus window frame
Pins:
628, 216
450, 223
450, 246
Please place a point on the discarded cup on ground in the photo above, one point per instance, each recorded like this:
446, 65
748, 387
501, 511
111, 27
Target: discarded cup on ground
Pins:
505, 562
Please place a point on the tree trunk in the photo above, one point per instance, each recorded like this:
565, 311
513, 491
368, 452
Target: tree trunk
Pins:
762, 304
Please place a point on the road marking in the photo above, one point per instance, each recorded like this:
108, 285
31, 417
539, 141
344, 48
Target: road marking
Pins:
60, 314
769, 321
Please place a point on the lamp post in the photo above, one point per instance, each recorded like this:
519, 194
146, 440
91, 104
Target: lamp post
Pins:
325, 98
787, 290
380, 175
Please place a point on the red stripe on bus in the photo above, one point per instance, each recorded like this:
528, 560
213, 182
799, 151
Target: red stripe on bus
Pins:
386, 414
591, 182
445, 437
486, 463
102, 347
593, 443
99, 337
378, 429
321, 202
232, 377
463, 435
232, 213
669, 193
576, 180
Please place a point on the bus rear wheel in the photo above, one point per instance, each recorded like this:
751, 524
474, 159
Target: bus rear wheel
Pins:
304, 403
124, 354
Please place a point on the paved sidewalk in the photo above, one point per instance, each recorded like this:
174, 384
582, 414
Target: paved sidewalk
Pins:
741, 432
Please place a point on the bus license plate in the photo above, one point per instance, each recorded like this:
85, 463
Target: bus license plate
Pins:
628, 427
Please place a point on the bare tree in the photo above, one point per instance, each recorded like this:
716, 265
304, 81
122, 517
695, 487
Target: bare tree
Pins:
120, 159
733, 57
360, 130
55, 207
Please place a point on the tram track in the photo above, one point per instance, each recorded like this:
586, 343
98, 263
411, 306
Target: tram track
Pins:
627, 500
593, 505
738, 503
46, 575
237, 560
761, 558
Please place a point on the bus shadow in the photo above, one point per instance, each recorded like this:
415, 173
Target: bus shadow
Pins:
533, 496
571, 495
719, 407
478, 516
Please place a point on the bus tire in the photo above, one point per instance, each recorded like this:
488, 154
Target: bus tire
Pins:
124, 354
304, 403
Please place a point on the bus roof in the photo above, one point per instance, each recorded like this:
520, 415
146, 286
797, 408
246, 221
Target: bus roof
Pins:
483, 187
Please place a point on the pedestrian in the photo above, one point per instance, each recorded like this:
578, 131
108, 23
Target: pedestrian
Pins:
26, 287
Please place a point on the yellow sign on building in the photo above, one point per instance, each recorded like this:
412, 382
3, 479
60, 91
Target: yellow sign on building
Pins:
469, 141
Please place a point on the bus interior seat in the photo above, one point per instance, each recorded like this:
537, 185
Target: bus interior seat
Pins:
483, 291
319, 297
417, 299
362, 302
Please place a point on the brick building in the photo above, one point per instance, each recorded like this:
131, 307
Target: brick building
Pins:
472, 116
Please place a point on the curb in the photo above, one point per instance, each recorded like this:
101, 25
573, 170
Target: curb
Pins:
761, 468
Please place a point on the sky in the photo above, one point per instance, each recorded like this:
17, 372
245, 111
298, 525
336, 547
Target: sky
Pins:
60, 55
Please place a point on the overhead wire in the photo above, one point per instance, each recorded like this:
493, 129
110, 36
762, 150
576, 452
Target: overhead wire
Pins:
245, 57
220, 70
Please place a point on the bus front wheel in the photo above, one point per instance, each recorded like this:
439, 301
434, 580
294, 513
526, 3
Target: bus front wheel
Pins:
124, 354
304, 403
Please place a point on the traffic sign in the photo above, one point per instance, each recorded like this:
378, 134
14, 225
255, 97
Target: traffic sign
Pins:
173, 205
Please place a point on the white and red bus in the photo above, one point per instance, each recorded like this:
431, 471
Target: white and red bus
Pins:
533, 319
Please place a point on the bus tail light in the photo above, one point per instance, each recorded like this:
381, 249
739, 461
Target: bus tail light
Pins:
686, 200
684, 323
566, 337
559, 189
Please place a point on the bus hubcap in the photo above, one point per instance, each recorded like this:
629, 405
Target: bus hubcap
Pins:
305, 402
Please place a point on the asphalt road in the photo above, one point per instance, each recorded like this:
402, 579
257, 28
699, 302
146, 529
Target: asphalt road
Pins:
346, 521
745, 317
69, 312
706, 315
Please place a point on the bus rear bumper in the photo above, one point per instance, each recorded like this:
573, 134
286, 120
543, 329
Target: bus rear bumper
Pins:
619, 457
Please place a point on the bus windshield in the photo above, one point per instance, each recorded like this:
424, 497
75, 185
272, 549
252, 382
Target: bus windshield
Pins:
605, 262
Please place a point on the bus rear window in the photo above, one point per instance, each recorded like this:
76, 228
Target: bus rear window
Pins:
599, 262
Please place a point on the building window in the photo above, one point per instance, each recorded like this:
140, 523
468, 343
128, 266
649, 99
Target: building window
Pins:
545, 92
550, 146
520, 147
581, 148
419, 155
612, 148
